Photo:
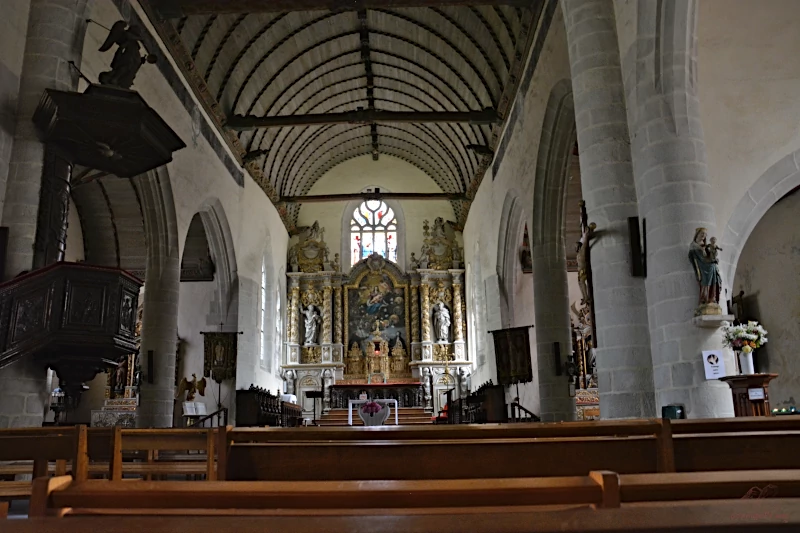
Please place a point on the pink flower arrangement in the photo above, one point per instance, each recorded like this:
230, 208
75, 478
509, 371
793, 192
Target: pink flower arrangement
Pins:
370, 408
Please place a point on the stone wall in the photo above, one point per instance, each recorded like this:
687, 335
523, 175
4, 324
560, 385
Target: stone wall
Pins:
769, 274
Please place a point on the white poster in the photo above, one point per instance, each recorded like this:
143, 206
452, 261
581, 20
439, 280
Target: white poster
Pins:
714, 364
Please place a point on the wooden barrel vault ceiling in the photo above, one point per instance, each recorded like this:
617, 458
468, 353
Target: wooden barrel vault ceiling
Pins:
299, 86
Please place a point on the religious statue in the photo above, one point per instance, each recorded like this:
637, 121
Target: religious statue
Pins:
438, 227
127, 59
705, 262
315, 233
190, 388
426, 385
336, 266
293, 260
441, 322
120, 376
414, 262
463, 377
312, 321
583, 263
425, 258
288, 376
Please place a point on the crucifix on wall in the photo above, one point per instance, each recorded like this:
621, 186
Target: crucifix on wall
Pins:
584, 249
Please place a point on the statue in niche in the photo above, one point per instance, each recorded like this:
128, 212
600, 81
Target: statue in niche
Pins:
312, 320
127, 59
705, 262
441, 322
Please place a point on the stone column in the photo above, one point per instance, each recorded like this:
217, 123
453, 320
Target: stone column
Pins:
624, 365
55, 36
160, 314
416, 340
551, 314
56, 31
675, 198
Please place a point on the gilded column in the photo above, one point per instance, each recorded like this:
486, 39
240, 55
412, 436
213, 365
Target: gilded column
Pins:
458, 319
426, 313
326, 314
337, 332
294, 315
415, 314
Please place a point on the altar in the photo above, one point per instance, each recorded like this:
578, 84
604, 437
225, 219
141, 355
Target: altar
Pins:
399, 335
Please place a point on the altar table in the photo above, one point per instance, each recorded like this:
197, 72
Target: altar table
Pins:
351, 403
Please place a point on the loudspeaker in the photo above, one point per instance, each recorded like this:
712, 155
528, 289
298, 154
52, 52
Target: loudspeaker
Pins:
673, 412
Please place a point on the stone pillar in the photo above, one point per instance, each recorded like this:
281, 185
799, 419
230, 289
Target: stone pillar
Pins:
160, 308
55, 36
675, 198
551, 314
624, 365
56, 30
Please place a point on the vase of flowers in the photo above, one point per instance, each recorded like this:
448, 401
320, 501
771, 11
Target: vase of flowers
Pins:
744, 339
373, 414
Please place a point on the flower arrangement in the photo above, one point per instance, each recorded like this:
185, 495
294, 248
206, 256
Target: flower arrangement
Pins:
371, 408
744, 337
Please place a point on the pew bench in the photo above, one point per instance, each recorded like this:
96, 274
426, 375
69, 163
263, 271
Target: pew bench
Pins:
154, 441
60, 496
731, 516
32, 451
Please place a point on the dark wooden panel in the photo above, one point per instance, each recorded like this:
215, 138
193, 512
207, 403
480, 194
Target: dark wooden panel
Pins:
736, 451
439, 459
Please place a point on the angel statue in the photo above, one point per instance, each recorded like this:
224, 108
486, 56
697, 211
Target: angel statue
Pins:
127, 59
191, 388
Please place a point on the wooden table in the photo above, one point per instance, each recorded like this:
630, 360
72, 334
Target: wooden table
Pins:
351, 403
750, 393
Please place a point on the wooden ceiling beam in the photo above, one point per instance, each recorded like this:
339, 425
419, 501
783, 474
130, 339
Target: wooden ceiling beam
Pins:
368, 116
183, 8
371, 196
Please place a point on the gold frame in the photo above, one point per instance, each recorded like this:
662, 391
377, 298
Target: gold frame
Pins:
355, 286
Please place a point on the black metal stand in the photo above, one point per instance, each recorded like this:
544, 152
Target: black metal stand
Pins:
314, 394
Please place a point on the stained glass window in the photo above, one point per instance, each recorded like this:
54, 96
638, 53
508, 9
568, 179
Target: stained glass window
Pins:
373, 229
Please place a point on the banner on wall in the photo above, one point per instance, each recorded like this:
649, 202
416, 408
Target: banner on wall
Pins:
512, 351
219, 358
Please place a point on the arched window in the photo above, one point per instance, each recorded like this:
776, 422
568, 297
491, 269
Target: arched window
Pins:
373, 229
262, 322
278, 329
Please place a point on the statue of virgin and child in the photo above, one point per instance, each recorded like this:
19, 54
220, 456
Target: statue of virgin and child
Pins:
704, 257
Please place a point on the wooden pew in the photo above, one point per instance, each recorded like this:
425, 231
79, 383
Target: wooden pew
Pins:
60, 497
729, 516
550, 449
38, 447
153, 441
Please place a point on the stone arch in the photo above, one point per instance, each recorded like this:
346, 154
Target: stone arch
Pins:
551, 294
347, 215
196, 263
512, 223
225, 308
775, 183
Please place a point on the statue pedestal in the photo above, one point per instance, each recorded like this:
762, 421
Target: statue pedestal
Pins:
711, 321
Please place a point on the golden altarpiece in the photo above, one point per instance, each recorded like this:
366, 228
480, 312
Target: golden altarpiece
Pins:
379, 330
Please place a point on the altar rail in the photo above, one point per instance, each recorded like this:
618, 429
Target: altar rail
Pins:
407, 395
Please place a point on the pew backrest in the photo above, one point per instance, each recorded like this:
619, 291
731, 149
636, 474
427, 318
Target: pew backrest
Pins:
155, 440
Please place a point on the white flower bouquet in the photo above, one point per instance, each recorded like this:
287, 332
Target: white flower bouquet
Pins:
744, 337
